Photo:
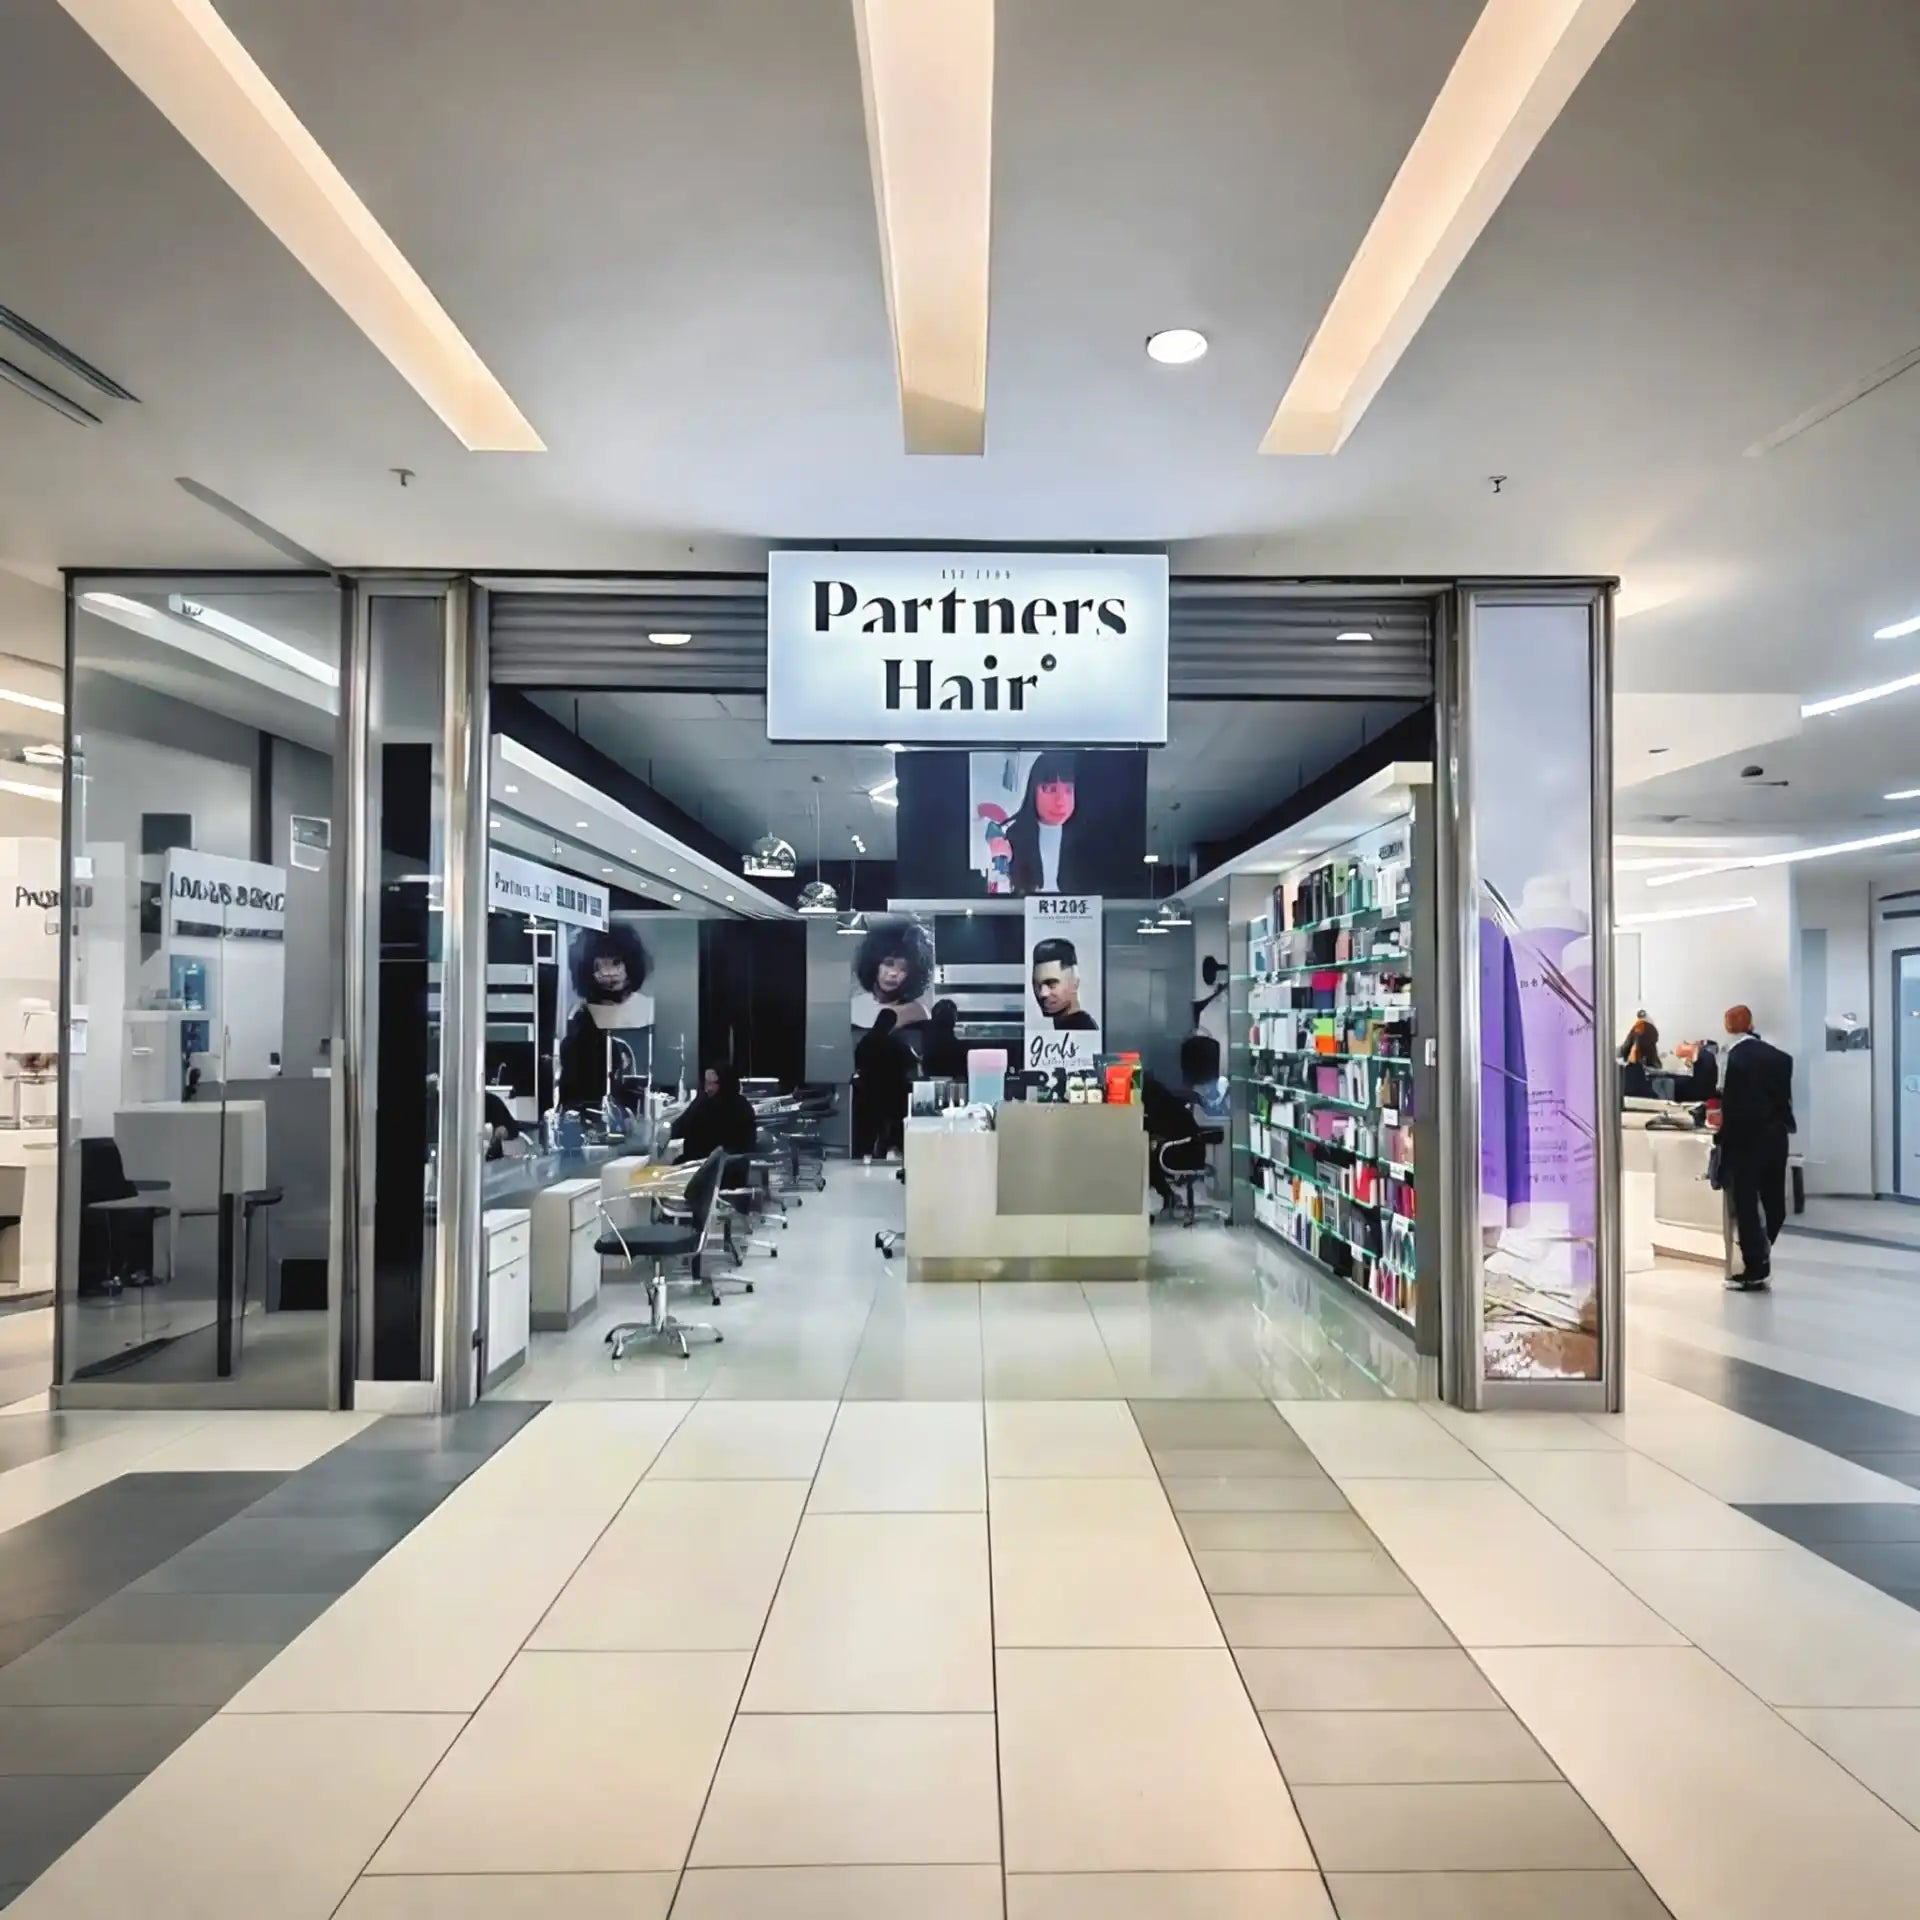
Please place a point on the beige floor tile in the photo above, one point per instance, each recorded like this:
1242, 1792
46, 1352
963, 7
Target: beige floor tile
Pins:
1497, 1571
1092, 1563
1453, 1828
577, 1763
1381, 1439
1403, 1749
1601, 1895
1278, 1462
840, 1893
1329, 1620
1167, 1896
1276, 1532
1795, 1628
1620, 1499
880, 1613
1879, 1746
1361, 1679
747, 1440
512, 1896
211, 1834
853, 1789
1050, 1439
686, 1566
1723, 1806
903, 1456
1226, 1571
1220, 1494
1506, 1431
267, 1442
435, 1623
1086, 1780
583, 1454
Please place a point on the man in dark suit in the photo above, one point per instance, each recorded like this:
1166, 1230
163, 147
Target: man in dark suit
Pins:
1756, 1119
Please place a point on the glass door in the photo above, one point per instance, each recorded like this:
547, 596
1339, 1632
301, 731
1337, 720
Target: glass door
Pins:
1906, 1068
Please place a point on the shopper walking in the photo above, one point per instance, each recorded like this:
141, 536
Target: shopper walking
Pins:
1756, 1121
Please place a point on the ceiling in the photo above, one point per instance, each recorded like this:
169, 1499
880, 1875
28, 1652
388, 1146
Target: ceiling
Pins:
654, 220
1225, 764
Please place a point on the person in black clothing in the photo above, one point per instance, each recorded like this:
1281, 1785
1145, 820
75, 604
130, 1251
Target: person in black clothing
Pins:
609, 968
883, 1065
1756, 1121
720, 1115
943, 1054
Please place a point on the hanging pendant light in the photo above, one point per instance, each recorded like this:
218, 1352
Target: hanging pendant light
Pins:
817, 898
770, 858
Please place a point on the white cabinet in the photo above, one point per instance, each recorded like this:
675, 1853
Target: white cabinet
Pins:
509, 1258
566, 1269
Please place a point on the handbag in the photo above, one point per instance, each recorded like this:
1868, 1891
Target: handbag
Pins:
1715, 1168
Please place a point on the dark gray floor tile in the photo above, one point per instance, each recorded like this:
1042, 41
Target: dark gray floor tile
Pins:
1595, 1895
16, 1636
1276, 1532
1361, 1679
1243, 1495
1453, 1829
42, 1816
1329, 1620
316, 1570
11, 1890
1368, 1570
1403, 1749
129, 1740
1255, 1463
199, 1619
1212, 1423
481, 1430
1841, 1520
112, 1673
406, 1502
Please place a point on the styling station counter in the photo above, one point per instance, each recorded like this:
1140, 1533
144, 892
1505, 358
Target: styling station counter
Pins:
1052, 1193
1667, 1208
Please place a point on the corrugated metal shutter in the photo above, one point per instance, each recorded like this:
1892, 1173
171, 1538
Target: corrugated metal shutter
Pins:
1229, 638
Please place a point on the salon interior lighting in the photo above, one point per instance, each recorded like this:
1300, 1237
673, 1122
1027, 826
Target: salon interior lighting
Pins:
1176, 346
1518, 68
670, 639
1905, 837
189, 64
29, 791
1905, 793
886, 794
926, 80
1705, 910
1899, 630
257, 639
1839, 702
14, 697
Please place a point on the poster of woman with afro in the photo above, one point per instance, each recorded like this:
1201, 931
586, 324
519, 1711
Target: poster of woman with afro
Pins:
892, 968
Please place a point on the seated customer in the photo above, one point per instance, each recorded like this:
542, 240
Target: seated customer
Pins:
720, 1115
943, 1054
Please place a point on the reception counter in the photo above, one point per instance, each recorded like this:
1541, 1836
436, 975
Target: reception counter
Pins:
1052, 1193
1667, 1207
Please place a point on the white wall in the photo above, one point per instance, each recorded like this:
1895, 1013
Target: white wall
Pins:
1896, 893
1833, 1092
1692, 971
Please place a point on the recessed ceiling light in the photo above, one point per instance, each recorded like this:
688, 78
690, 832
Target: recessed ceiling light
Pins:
926, 80
729, 896
1353, 633
1176, 346
578, 824
676, 896
1518, 68
1150, 859
513, 789
1839, 702
670, 639
1899, 630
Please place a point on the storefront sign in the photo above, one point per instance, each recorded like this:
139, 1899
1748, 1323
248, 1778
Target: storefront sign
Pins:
1064, 943
217, 898
524, 886
957, 649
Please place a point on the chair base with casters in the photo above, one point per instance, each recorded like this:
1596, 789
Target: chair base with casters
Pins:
890, 1240
682, 1238
1187, 1178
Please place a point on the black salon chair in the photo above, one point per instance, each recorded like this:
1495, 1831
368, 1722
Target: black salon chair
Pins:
654, 1244
117, 1218
1186, 1165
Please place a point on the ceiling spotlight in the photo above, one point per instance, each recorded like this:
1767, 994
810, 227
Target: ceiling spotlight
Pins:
1176, 346
669, 639
676, 896
579, 826
606, 869
513, 789
1899, 630
1174, 914
1150, 859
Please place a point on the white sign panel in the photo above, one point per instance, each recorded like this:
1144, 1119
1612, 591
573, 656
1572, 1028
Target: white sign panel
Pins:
210, 895
524, 886
958, 649
1065, 937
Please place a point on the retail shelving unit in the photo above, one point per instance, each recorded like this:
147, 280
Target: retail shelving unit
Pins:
1333, 1072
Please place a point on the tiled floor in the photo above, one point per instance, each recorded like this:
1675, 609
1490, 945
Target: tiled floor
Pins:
838, 1630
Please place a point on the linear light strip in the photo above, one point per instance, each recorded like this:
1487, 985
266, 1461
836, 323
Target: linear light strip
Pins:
188, 63
1903, 838
926, 80
1705, 910
1840, 702
1517, 70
